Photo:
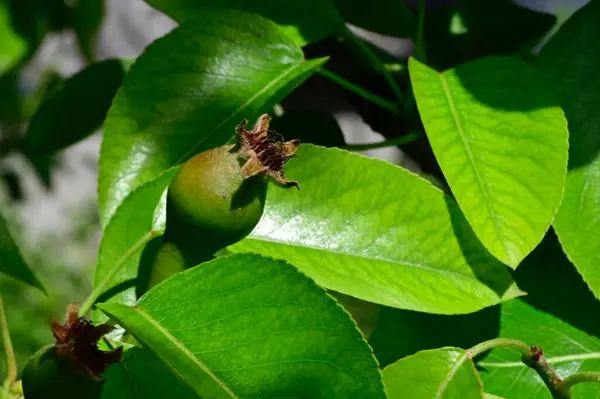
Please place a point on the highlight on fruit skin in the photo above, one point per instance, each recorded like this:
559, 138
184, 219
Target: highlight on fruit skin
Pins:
218, 197
72, 367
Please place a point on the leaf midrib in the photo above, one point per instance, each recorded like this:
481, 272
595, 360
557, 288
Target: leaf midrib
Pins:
459, 362
186, 352
237, 111
382, 259
479, 179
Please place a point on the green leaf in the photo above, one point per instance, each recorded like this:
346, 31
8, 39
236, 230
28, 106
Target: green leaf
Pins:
75, 110
500, 137
389, 17
249, 326
11, 261
375, 231
557, 315
303, 21
395, 335
443, 373
133, 225
12, 46
186, 93
571, 61
142, 375
567, 349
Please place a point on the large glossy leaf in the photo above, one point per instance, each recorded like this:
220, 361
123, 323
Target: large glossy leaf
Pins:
304, 21
389, 17
377, 232
142, 375
500, 137
12, 45
248, 326
11, 261
443, 373
571, 60
133, 225
187, 92
75, 110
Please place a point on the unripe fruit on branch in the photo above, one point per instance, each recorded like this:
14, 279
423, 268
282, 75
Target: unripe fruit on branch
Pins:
72, 367
218, 197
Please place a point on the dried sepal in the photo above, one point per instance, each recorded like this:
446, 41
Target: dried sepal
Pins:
266, 151
77, 341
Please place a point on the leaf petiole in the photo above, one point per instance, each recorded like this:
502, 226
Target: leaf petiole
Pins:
533, 357
577, 378
499, 342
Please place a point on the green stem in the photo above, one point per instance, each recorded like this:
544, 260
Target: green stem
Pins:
577, 378
409, 138
103, 285
533, 357
375, 99
499, 342
420, 52
364, 48
9, 353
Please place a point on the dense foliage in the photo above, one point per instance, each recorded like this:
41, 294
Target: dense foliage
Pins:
477, 278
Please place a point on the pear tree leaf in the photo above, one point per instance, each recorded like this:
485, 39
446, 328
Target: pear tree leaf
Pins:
142, 375
188, 91
132, 227
11, 261
303, 21
246, 326
501, 140
374, 231
571, 60
75, 110
443, 373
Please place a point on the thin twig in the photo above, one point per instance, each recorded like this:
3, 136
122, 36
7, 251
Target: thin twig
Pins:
533, 357
420, 51
364, 48
9, 353
577, 378
375, 99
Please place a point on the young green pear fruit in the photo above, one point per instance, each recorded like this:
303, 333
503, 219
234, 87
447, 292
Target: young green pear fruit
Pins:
73, 365
218, 197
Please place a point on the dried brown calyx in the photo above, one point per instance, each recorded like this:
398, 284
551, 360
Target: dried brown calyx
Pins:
267, 151
77, 341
